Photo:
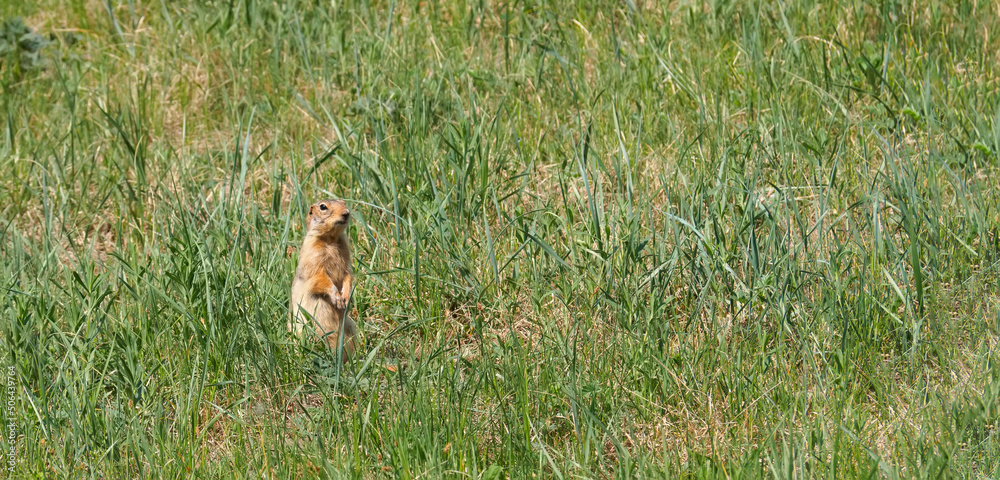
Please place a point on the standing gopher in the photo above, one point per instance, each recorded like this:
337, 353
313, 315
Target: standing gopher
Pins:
323, 280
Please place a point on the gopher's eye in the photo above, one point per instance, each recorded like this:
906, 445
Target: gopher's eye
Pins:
322, 206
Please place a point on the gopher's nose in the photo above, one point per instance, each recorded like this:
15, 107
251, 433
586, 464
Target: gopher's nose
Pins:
347, 213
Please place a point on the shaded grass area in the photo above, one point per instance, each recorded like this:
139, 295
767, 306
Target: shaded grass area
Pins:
594, 239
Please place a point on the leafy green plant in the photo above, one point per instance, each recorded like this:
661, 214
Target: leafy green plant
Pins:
21, 47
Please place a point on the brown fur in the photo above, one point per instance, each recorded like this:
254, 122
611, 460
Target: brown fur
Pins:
323, 279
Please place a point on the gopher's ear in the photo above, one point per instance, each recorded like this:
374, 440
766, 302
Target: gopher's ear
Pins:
311, 207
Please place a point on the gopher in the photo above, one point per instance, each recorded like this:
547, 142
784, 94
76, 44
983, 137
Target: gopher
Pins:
323, 279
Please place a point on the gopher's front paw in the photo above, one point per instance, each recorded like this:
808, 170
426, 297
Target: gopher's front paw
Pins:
338, 301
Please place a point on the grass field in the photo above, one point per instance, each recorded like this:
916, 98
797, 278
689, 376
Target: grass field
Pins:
593, 239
